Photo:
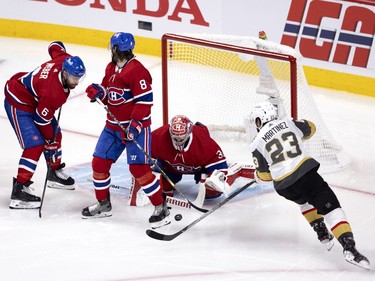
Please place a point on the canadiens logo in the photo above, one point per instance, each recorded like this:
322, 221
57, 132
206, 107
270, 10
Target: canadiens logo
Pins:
116, 96
35, 138
332, 31
184, 168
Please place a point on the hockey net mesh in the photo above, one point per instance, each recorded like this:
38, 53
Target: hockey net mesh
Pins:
218, 87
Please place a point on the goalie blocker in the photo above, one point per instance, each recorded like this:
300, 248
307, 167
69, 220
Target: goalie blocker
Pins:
220, 180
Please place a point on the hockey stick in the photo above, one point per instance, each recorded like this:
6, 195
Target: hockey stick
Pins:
169, 237
48, 167
170, 200
199, 201
150, 158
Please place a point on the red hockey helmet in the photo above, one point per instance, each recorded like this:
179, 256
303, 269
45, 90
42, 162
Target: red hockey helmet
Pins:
180, 130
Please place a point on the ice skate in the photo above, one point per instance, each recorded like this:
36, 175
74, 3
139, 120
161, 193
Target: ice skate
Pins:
160, 217
22, 198
324, 236
58, 179
100, 209
351, 254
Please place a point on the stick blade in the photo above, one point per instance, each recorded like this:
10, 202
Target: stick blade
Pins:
159, 236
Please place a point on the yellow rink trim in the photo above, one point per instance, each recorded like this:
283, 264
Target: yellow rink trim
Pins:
150, 46
70, 34
340, 81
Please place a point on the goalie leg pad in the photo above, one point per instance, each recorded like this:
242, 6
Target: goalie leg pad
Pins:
137, 197
236, 170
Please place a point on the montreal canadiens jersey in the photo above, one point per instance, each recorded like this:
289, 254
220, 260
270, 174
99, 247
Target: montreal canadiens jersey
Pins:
278, 151
201, 152
129, 93
40, 91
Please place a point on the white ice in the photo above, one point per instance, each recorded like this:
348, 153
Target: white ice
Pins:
257, 236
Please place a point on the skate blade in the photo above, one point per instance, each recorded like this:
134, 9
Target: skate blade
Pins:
328, 244
361, 264
18, 204
98, 216
161, 223
55, 185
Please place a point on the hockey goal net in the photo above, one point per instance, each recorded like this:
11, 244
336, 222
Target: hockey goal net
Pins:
216, 79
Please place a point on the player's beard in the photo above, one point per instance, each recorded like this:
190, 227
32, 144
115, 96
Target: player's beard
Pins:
67, 85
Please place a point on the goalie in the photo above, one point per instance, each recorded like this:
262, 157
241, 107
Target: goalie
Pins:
183, 148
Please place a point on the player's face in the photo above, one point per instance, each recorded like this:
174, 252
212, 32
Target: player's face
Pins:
71, 81
179, 141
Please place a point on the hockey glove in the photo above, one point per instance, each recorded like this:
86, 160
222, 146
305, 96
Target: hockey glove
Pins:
50, 149
133, 130
95, 91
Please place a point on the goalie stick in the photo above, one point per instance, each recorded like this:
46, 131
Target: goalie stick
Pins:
168, 237
150, 158
170, 200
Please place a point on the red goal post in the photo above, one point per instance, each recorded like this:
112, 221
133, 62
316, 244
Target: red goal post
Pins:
167, 53
216, 79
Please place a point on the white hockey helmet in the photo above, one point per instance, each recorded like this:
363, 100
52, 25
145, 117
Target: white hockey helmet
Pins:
262, 113
180, 130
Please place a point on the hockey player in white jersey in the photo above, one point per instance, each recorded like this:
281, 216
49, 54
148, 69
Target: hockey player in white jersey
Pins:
279, 156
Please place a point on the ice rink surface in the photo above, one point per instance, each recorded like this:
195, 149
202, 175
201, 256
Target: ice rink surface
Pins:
256, 236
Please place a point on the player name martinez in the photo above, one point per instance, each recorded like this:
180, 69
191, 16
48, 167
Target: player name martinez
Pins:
268, 135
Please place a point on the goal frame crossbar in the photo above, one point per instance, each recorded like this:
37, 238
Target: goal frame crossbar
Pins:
165, 47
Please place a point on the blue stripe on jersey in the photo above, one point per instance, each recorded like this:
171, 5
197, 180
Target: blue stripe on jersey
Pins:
128, 95
144, 98
40, 120
27, 81
216, 166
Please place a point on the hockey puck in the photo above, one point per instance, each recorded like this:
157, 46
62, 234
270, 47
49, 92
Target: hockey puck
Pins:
178, 217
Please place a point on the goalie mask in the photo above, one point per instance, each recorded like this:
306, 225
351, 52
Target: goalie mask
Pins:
180, 130
262, 113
